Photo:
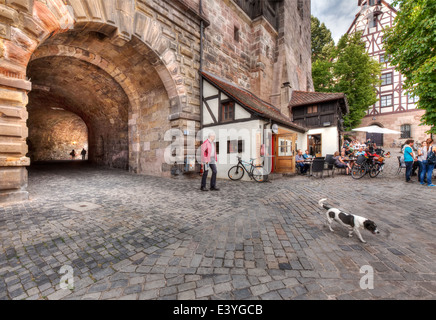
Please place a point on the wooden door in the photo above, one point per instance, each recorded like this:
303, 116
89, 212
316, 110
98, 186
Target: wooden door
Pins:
375, 138
314, 145
285, 153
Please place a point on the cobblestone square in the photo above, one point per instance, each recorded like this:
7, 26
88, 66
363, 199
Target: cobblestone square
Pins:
157, 238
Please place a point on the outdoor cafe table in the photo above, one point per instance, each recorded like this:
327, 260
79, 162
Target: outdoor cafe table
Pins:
349, 160
309, 161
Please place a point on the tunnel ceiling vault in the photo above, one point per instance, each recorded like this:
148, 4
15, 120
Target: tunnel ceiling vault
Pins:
41, 101
79, 87
132, 65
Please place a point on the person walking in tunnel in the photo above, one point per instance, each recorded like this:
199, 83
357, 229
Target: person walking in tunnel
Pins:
209, 159
83, 153
73, 154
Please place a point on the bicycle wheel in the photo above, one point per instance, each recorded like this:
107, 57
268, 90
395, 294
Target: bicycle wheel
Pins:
258, 174
374, 170
236, 173
358, 171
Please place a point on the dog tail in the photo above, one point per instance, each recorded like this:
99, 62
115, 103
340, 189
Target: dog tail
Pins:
322, 205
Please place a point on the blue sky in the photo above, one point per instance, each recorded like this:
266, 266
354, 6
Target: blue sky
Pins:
336, 14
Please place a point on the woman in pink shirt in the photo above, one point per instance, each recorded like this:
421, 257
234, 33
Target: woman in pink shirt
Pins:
209, 159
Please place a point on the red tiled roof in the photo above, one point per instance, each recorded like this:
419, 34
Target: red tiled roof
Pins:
252, 102
302, 98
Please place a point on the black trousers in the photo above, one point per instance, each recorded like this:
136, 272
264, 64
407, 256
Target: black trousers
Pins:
205, 174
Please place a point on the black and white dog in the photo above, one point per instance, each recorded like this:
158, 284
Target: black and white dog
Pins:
352, 222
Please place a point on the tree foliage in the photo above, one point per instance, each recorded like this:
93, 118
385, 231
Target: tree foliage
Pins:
322, 39
411, 44
349, 69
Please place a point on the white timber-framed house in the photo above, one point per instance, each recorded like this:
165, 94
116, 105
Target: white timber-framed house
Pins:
395, 109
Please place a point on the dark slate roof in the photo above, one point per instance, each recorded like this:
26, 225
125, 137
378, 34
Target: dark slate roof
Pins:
303, 98
251, 102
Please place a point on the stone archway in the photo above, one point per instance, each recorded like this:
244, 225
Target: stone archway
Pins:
131, 46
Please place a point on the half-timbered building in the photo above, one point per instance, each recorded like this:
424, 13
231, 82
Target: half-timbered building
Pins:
248, 127
395, 109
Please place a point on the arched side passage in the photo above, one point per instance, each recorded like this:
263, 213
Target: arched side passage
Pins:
154, 29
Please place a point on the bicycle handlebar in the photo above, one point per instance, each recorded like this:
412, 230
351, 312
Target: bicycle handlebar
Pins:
240, 158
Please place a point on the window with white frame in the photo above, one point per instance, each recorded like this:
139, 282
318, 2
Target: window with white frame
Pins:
384, 58
386, 101
412, 99
386, 79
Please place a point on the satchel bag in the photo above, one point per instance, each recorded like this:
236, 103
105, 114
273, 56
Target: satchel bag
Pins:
431, 157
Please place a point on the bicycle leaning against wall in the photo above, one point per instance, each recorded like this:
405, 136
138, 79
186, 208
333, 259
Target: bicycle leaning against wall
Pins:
254, 172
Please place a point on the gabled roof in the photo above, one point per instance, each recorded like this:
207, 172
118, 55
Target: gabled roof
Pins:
303, 98
358, 14
251, 102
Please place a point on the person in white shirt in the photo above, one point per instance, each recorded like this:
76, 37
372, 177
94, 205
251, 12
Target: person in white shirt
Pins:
422, 161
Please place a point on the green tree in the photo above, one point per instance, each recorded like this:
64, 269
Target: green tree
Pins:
322, 75
411, 44
349, 69
322, 39
357, 75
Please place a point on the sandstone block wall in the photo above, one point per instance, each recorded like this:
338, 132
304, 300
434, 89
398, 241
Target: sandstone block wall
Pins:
394, 121
13, 133
129, 69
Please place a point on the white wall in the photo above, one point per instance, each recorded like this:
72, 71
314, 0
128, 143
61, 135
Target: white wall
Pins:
209, 91
236, 131
330, 139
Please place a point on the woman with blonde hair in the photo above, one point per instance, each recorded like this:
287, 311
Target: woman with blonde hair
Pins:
340, 163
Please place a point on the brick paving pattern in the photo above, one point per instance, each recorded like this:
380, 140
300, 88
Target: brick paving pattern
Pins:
138, 237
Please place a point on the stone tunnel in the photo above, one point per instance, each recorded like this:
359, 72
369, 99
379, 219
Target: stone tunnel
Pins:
108, 75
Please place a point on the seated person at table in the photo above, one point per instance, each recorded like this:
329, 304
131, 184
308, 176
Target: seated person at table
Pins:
301, 166
343, 153
361, 152
307, 155
340, 163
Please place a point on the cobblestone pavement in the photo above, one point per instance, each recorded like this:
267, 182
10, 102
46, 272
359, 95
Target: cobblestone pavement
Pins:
137, 237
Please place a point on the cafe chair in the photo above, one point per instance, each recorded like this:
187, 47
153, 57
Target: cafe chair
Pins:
329, 164
401, 165
318, 167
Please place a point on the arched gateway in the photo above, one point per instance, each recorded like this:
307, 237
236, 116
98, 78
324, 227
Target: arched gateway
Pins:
126, 68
